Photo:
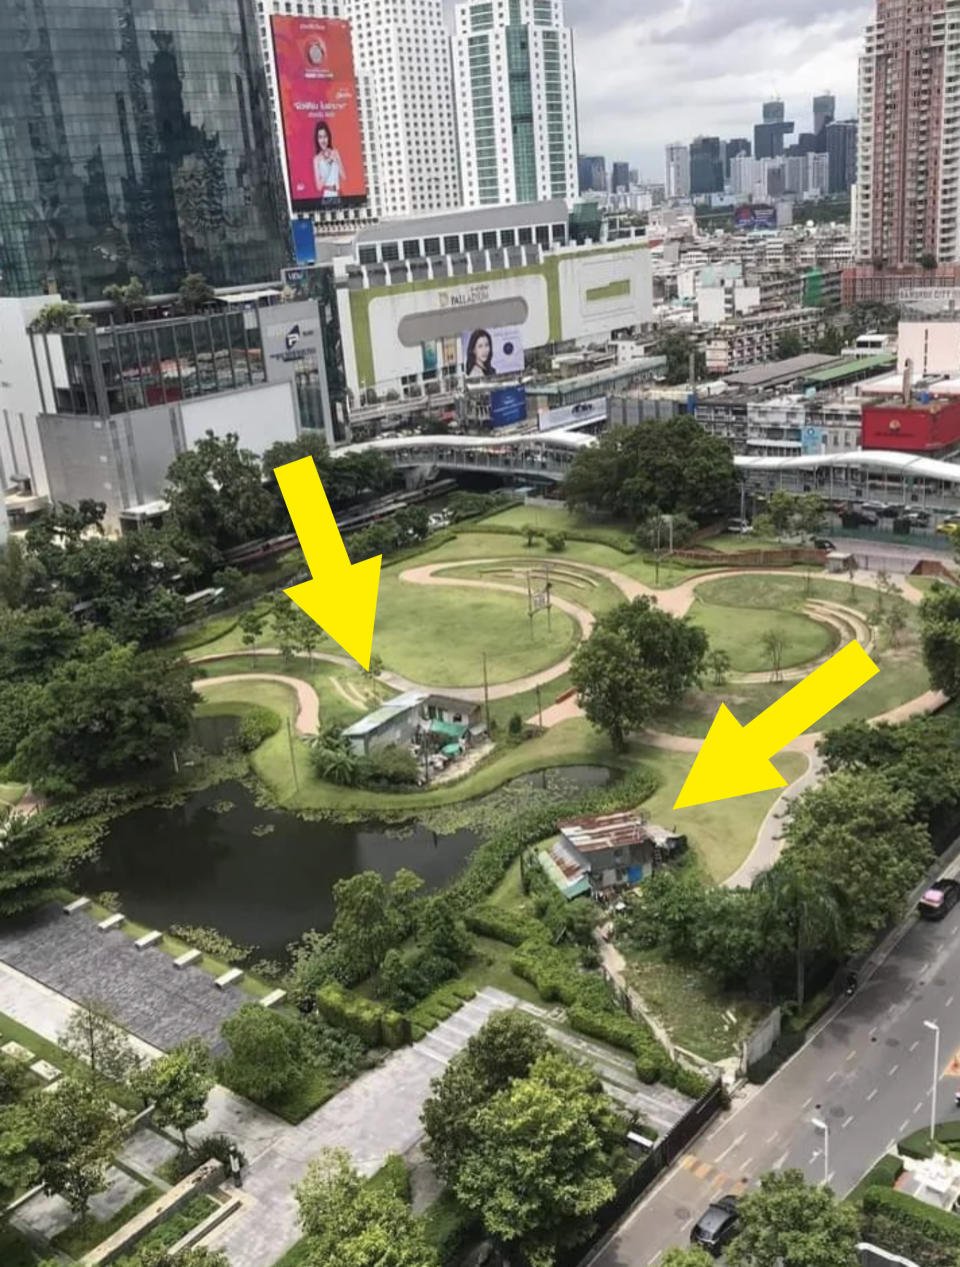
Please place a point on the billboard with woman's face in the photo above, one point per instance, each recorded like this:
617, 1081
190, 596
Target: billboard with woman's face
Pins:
318, 105
487, 353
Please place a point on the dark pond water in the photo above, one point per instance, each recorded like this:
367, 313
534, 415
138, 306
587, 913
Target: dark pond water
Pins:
262, 876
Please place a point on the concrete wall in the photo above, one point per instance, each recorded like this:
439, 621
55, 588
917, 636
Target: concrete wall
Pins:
258, 415
20, 449
601, 293
933, 346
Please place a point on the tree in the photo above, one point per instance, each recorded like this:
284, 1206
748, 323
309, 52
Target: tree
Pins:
161, 1256
350, 1223
364, 925
504, 1049
927, 261
59, 316
530, 532
177, 1085
283, 620
131, 296
337, 764
678, 347
811, 513
217, 498
940, 620
789, 1222
18, 1135
674, 467
251, 627
195, 292
781, 508
637, 661
544, 1154
718, 663
112, 712
266, 1051
896, 620
804, 906
20, 573
31, 863
76, 1136
441, 930
94, 1037
308, 634
788, 345
773, 643
858, 835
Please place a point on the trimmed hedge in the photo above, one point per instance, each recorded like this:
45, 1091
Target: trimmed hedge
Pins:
917, 1145
911, 1228
393, 1177
614, 540
883, 1175
376, 1025
257, 725
439, 1006
503, 925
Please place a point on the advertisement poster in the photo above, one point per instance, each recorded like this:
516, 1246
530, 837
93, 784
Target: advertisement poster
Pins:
755, 216
508, 405
594, 410
487, 353
318, 105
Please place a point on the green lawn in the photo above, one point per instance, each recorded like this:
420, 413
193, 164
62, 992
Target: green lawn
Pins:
926, 583
80, 1237
733, 543
785, 593
690, 1005
340, 689
741, 634
567, 581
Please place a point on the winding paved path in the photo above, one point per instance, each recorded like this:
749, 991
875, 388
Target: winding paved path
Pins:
677, 602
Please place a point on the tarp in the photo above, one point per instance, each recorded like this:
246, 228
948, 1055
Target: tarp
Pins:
451, 750
448, 729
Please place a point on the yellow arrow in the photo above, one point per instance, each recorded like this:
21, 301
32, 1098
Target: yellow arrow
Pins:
734, 760
342, 596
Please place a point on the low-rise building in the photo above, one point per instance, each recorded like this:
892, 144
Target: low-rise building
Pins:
754, 338
608, 852
408, 716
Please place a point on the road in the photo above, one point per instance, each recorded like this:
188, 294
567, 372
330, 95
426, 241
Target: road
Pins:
867, 1074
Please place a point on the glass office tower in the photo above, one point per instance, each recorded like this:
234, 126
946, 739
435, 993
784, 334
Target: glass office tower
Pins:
135, 138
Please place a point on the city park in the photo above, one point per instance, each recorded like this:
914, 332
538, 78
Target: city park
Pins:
389, 901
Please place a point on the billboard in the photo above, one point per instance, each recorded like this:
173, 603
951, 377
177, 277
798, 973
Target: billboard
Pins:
755, 216
291, 334
304, 244
318, 106
487, 353
586, 411
508, 405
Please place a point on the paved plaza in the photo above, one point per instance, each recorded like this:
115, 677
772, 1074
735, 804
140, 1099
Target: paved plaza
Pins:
159, 1003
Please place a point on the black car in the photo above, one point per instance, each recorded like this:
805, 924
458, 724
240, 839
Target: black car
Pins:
939, 899
823, 543
859, 519
717, 1225
893, 511
918, 517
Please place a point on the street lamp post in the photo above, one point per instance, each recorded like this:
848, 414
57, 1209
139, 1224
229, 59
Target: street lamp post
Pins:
936, 1076
820, 1125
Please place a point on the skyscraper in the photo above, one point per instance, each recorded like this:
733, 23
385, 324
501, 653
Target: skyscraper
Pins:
136, 139
677, 172
401, 51
516, 101
592, 173
774, 112
620, 179
824, 111
706, 165
739, 147
908, 184
768, 135
842, 154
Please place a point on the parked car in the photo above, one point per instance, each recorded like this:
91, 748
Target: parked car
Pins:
717, 1225
939, 899
892, 511
859, 519
949, 527
740, 527
919, 517
823, 543
878, 508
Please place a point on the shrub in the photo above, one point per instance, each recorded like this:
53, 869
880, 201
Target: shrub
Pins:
687, 1081
503, 925
883, 1175
440, 1005
557, 542
258, 724
917, 1145
393, 1178
357, 1015
392, 764
903, 1225
210, 1146
515, 725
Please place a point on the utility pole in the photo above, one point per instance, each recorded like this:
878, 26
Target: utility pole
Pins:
293, 763
539, 706
530, 604
486, 693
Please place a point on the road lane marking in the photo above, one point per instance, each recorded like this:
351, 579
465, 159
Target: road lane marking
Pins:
915, 1044
808, 1100
847, 1122
949, 1001
872, 1094
851, 1054
833, 1075
730, 1147
686, 1161
778, 1164
746, 1164
703, 1170
903, 1125
771, 1138
918, 1106
893, 1070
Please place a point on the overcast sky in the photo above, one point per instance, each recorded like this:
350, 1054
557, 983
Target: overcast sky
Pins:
654, 71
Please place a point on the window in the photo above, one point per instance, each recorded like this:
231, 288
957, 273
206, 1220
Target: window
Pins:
431, 246
451, 244
367, 255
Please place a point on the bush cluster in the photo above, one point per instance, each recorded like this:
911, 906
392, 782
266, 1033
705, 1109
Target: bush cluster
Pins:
511, 927
903, 1225
440, 1005
376, 1025
615, 540
258, 724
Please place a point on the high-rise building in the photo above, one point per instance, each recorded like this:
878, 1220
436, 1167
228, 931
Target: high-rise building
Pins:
842, 154
592, 173
739, 147
620, 179
908, 183
136, 139
401, 50
307, 11
516, 100
706, 165
677, 177
824, 111
768, 135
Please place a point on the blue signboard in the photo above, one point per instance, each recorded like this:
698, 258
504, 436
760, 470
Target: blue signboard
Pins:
508, 405
304, 246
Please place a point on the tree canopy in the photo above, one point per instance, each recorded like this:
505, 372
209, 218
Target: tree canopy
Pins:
793, 1223
266, 1050
31, 863
637, 661
177, 1085
673, 467
940, 616
75, 1137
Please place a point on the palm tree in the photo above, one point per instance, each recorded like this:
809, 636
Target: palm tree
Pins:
806, 905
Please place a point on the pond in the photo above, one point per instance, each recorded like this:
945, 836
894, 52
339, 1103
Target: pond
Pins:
263, 876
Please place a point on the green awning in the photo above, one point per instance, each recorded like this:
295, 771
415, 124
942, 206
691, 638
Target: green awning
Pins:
451, 750
448, 729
